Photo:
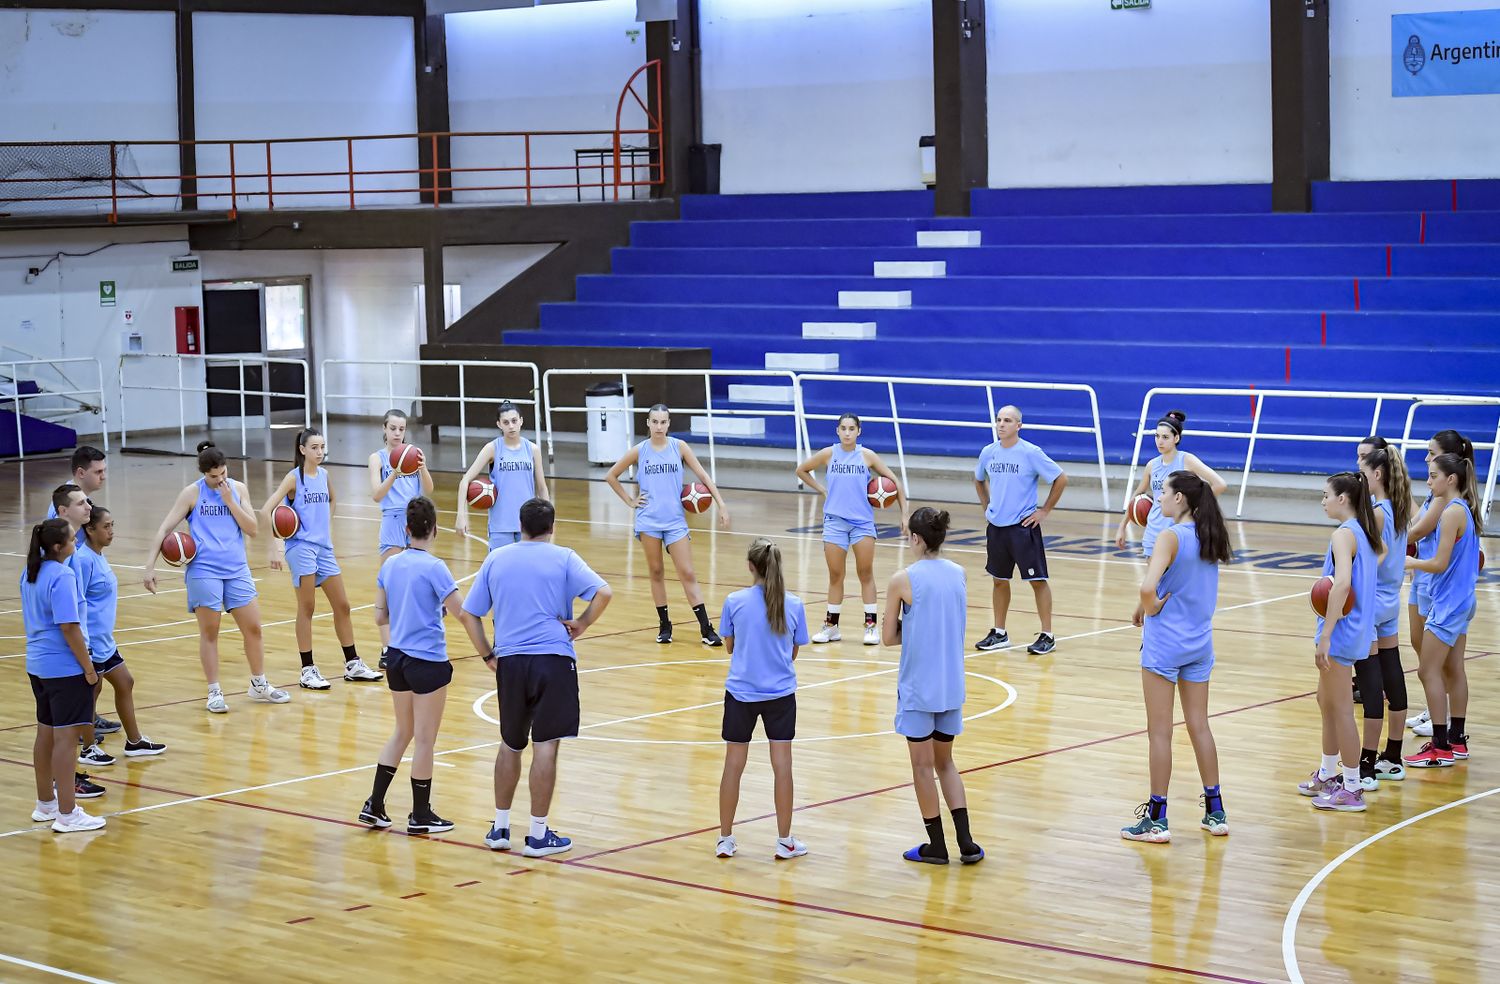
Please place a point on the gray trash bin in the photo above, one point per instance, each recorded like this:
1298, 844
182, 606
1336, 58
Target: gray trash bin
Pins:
611, 421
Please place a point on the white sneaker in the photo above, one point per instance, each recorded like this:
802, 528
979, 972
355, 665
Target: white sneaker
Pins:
791, 847
216, 702
269, 694
1423, 718
356, 670
828, 633
44, 812
311, 679
726, 847
872, 634
76, 821
1369, 783
1391, 771
1424, 729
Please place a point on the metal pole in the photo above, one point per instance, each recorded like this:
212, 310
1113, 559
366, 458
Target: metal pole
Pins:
890, 389
124, 420
463, 426
306, 399
244, 446
1489, 485
103, 409
1260, 406
547, 411
536, 396
350, 142
708, 403
1375, 424
1135, 455
15, 367
1099, 447
323, 394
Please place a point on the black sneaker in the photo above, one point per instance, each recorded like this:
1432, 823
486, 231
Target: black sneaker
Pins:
711, 639
997, 639
382, 660
429, 824
104, 726
85, 788
372, 817
1044, 644
95, 756
1355, 686
143, 747
664, 635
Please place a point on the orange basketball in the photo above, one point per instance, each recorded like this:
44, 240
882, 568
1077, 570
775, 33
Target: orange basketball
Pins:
881, 492
1140, 509
284, 522
481, 494
1319, 596
1411, 548
407, 459
178, 549
696, 498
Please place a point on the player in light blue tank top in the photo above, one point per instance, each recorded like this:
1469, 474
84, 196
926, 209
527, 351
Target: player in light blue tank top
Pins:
308, 555
1341, 640
1169, 459
662, 464
926, 608
512, 466
393, 491
1178, 597
1455, 571
218, 580
849, 522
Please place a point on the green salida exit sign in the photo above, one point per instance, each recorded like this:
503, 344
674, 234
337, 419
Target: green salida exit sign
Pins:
1128, 4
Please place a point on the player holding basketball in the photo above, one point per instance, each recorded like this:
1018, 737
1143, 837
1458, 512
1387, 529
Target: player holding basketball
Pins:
660, 523
1353, 558
849, 521
925, 609
1176, 614
1006, 479
514, 465
308, 554
218, 579
1381, 674
393, 490
1169, 460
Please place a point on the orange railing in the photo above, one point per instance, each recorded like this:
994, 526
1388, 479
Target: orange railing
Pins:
350, 171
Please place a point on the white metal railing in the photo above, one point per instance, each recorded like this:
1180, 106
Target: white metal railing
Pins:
708, 376
896, 420
1255, 434
219, 362
15, 369
462, 399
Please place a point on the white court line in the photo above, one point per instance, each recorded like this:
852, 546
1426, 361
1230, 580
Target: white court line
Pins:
1289, 927
11, 553
46, 969
139, 594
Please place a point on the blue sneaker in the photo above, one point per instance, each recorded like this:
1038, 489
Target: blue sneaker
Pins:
915, 854
498, 839
550, 843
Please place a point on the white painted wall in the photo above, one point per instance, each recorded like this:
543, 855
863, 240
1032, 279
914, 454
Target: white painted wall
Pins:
827, 96
481, 270
59, 315
260, 76
559, 67
1080, 94
1376, 137
89, 75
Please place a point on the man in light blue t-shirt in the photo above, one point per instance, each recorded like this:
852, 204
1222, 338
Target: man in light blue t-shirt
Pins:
1006, 477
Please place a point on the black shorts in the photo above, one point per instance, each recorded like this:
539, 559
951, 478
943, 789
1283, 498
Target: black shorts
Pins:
63, 702
538, 696
1010, 547
778, 714
115, 661
405, 673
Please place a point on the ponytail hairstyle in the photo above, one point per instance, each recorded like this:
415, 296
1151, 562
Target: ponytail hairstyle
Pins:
421, 517
1353, 486
303, 436
1203, 506
931, 525
765, 557
1173, 420
1452, 442
1463, 468
46, 537
209, 457
1390, 462
62, 494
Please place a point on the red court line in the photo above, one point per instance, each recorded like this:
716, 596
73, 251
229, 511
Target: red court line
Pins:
413, 895
912, 924
293, 922
356, 908
467, 884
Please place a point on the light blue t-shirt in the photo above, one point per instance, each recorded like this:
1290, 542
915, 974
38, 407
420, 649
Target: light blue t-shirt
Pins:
1012, 474
931, 675
312, 501
659, 475
848, 485
1183, 631
513, 473
1392, 569
46, 606
404, 489
761, 667
530, 586
219, 539
416, 584
1354, 632
1159, 469
101, 593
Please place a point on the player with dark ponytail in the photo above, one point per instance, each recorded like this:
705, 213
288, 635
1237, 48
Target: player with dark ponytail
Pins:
1380, 678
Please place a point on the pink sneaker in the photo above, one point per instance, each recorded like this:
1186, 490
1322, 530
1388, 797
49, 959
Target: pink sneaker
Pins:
1430, 757
1341, 800
1314, 786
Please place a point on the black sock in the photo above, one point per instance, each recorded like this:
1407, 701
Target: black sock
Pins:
1392, 751
703, 623
350, 654
1440, 736
306, 658
661, 616
833, 618
1367, 758
1158, 807
421, 797
383, 776
1456, 729
935, 847
1213, 800
961, 829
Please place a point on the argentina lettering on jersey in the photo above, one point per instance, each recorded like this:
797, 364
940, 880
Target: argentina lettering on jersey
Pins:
659, 476
1004, 468
513, 474
848, 478
664, 468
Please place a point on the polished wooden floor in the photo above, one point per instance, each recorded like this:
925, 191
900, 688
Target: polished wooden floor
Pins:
235, 856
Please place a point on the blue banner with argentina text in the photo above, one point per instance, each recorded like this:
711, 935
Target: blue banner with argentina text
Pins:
1445, 53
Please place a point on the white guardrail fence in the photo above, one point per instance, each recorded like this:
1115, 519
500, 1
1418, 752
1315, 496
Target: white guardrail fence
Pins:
16, 372
238, 362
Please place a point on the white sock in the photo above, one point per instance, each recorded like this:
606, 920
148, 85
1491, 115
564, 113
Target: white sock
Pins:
50, 804
1351, 779
502, 819
1000, 629
869, 609
1329, 768
787, 840
214, 688
538, 828
259, 682
835, 609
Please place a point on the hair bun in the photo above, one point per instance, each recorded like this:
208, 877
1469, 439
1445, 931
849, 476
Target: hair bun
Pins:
1177, 415
205, 445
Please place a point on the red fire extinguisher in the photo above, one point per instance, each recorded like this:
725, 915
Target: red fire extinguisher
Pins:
189, 332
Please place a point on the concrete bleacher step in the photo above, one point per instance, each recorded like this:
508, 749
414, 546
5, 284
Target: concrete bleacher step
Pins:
941, 238
730, 426
760, 393
874, 298
909, 269
856, 330
803, 361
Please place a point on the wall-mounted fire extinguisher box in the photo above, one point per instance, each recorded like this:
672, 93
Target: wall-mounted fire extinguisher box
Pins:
189, 332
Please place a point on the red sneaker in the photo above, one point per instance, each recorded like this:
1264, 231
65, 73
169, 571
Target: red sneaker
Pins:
1430, 758
1461, 749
